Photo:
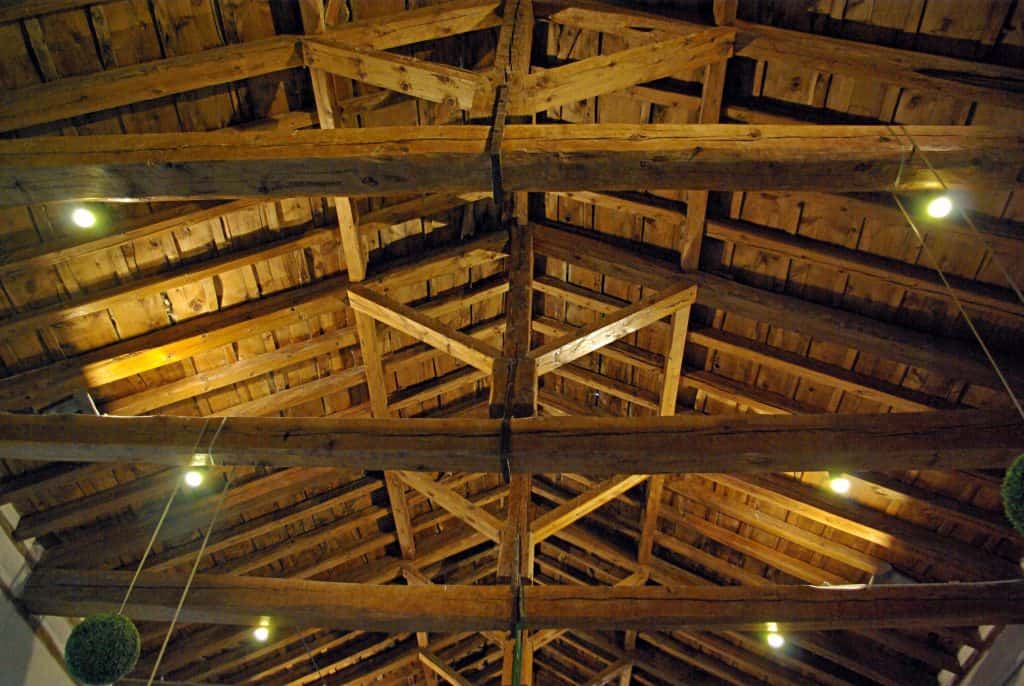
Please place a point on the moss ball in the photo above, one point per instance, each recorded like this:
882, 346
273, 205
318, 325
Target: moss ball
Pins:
1013, 494
102, 649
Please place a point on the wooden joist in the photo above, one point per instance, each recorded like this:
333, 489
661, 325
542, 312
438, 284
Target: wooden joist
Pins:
432, 332
73, 96
570, 511
956, 78
426, 80
226, 599
962, 439
619, 325
602, 74
389, 160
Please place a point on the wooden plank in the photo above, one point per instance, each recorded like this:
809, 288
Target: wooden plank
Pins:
955, 439
440, 83
442, 669
473, 515
916, 278
947, 356
71, 248
630, 319
73, 96
570, 511
417, 25
424, 206
227, 599
400, 515
179, 275
427, 329
603, 74
387, 160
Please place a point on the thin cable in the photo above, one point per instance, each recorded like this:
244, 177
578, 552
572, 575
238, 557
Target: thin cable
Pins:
191, 578
960, 306
149, 546
163, 518
970, 222
312, 661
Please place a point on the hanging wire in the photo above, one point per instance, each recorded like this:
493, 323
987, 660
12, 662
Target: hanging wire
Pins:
942, 275
202, 548
188, 583
312, 661
163, 518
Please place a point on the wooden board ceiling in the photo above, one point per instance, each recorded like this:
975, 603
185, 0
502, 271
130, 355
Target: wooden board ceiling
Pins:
319, 280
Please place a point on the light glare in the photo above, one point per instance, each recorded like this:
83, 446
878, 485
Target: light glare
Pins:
193, 478
83, 218
840, 484
261, 633
940, 207
776, 641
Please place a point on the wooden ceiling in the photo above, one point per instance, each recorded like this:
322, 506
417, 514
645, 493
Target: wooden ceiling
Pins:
248, 262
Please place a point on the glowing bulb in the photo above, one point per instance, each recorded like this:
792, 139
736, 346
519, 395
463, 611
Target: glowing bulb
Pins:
776, 641
261, 633
839, 484
940, 207
193, 478
83, 217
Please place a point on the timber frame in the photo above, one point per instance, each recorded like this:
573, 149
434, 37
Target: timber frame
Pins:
514, 578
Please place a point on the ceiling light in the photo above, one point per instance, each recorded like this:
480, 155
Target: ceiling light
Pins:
776, 641
940, 207
83, 217
261, 633
839, 483
193, 478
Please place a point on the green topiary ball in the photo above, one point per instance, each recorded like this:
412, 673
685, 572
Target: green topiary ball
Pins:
1013, 494
102, 649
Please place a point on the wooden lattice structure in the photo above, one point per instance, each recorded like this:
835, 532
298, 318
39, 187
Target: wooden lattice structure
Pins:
538, 326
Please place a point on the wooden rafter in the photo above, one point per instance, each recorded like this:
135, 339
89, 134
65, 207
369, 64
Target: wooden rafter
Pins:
936, 440
388, 160
233, 600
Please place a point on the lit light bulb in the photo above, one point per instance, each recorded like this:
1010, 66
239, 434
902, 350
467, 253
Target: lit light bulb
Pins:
193, 478
83, 217
839, 484
940, 207
776, 641
261, 633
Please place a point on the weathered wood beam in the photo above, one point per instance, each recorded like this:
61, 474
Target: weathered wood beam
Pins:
630, 319
947, 356
389, 160
69, 97
442, 669
602, 74
226, 599
74, 96
404, 211
425, 80
956, 78
179, 275
410, 321
445, 497
553, 521
600, 446
915, 278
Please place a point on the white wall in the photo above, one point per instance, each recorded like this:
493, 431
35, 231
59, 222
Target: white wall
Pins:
30, 655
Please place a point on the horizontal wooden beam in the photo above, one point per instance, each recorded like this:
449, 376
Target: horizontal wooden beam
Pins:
956, 439
391, 160
229, 599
